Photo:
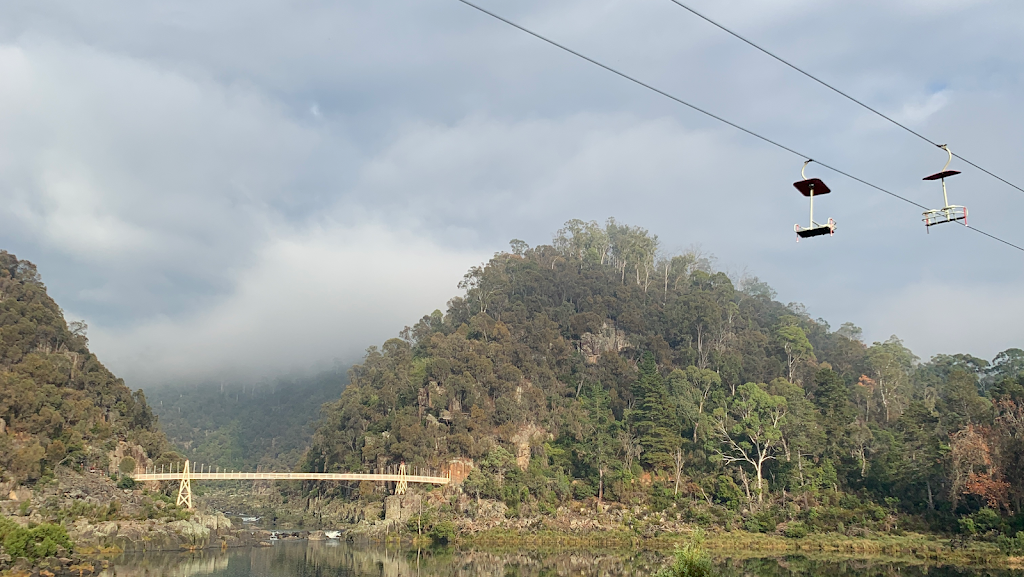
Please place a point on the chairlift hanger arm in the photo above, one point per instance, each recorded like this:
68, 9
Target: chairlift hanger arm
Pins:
943, 173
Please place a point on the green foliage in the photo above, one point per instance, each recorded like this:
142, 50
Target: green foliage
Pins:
442, 532
1011, 545
127, 466
980, 522
126, 482
35, 543
690, 560
796, 530
58, 401
654, 418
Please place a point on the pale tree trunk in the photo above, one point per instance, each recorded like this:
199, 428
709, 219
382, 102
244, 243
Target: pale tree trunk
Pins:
790, 361
679, 468
746, 485
885, 397
759, 467
702, 351
668, 266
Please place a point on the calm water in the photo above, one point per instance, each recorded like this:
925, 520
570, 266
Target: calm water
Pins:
330, 558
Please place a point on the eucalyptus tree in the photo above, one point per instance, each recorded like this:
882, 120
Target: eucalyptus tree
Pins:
750, 430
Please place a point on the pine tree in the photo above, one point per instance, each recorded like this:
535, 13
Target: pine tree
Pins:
832, 397
653, 417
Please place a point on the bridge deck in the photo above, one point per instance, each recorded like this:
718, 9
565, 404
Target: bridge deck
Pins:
292, 477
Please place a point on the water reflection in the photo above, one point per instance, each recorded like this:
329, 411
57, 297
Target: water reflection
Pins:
323, 558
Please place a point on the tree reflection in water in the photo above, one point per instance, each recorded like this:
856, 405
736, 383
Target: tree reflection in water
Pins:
331, 558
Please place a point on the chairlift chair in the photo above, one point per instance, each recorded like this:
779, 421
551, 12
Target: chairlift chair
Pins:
811, 187
950, 212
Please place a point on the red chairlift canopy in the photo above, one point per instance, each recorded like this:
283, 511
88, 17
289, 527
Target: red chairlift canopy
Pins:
805, 187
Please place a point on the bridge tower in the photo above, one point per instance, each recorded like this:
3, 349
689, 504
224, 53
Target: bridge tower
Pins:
403, 483
185, 488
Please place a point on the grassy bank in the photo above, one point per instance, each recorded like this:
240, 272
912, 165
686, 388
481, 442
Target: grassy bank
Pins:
910, 548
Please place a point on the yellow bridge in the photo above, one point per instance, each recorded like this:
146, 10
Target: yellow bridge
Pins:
186, 475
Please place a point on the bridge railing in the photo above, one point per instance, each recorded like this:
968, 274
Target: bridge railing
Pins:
186, 475
236, 476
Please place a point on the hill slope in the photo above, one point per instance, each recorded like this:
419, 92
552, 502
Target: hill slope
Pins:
58, 403
598, 367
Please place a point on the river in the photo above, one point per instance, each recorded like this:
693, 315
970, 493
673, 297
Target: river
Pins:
331, 558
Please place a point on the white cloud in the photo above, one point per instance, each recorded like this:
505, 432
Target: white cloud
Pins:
312, 296
173, 177
143, 177
915, 113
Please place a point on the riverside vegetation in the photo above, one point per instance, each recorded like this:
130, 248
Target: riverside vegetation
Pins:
600, 370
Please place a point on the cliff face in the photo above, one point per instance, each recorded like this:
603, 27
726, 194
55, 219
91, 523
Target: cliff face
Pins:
58, 404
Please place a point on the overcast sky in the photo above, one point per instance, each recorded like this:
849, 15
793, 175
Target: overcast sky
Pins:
250, 187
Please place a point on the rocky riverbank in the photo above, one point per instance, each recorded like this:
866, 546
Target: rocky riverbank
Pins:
103, 520
418, 512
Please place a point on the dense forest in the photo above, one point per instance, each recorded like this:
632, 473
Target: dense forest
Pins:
58, 403
246, 426
598, 368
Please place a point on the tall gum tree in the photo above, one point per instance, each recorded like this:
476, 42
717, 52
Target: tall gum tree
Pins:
750, 429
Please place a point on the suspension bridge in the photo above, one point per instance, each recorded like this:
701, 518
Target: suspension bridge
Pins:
185, 474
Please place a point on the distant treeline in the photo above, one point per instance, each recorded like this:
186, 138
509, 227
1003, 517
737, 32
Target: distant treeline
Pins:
244, 426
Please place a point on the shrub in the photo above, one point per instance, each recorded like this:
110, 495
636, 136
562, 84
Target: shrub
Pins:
35, 543
692, 560
126, 482
761, 522
443, 532
1011, 545
796, 530
127, 466
582, 490
986, 519
967, 526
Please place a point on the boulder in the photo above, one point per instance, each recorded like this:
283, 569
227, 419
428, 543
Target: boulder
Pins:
371, 512
194, 534
401, 508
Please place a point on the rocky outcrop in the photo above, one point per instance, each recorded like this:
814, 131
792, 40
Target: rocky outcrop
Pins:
459, 468
399, 509
128, 450
199, 532
608, 339
524, 438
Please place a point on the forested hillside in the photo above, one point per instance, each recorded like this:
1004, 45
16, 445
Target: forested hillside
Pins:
58, 403
599, 367
245, 426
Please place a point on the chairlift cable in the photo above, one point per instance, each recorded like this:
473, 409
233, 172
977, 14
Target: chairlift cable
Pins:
839, 92
715, 116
